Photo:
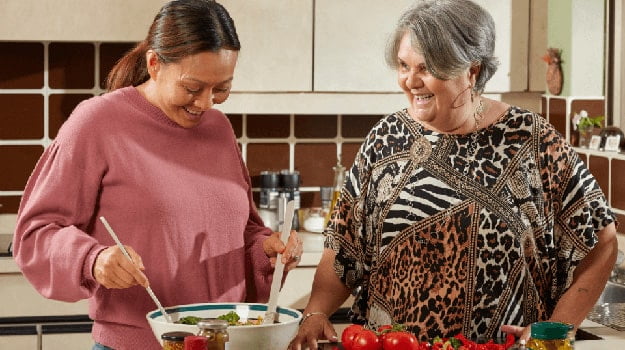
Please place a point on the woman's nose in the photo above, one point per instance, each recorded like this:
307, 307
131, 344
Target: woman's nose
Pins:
413, 80
205, 101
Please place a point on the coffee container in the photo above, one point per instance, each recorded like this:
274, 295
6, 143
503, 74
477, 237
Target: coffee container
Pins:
269, 193
289, 183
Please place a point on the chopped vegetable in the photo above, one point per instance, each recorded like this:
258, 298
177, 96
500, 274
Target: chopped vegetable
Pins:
232, 317
189, 320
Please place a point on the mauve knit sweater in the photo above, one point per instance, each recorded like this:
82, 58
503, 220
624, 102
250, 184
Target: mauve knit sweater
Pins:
180, 197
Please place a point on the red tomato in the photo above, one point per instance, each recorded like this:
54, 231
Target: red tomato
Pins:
366, 340
400, 341
347, 338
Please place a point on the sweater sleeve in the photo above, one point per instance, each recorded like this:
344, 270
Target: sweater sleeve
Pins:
51, 245
258, 270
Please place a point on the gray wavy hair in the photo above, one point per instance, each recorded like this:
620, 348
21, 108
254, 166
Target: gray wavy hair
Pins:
452, 35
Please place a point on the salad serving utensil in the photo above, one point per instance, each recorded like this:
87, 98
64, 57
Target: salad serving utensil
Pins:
125, 252
271, 314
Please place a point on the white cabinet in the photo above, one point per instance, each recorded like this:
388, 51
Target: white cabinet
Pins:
351, 36
276, 44
77, 20
67, 341
19, 298
11, 342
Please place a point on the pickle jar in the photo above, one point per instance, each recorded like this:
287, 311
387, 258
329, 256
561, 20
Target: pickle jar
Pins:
215, 331
174, 340
550, 336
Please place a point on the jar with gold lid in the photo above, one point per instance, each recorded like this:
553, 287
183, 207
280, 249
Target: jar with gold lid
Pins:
174, 340
215, 331
551, 336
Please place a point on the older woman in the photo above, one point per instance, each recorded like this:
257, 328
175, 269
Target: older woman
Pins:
460, 214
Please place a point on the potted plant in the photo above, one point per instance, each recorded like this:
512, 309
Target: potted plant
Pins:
585, 125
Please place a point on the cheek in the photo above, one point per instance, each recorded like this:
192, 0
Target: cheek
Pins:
220, 98
401, 81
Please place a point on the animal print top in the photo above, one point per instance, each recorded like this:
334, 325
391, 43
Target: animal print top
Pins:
449, 237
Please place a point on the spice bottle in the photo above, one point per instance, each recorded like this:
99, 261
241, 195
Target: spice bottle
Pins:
174, 340
215, 331
550, 336
337, 184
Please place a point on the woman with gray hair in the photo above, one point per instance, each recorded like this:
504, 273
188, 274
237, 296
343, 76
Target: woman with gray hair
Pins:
460, 214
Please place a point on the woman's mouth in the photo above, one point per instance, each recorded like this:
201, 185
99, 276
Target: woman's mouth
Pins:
193, 115
422, 98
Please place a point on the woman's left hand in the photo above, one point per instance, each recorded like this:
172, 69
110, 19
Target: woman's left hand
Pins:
291, 252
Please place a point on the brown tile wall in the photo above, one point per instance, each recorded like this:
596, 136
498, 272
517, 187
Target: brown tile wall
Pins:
35, 105
30, 119
606, 168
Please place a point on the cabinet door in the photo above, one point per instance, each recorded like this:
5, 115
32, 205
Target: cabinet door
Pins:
350, 39
512, 23
10, 342
67, 341
351, 36
19, 298
71, 20
276, 45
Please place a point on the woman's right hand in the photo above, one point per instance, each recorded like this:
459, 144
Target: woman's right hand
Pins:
113, 270
314, 327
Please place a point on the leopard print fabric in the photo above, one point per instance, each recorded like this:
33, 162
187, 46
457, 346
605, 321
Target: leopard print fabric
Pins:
448, 237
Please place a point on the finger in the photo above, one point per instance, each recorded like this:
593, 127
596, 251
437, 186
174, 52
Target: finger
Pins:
516, 330
294, 248
133, 275
136, 258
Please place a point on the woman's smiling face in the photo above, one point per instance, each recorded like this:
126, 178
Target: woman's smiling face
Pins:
442, 105
184, 90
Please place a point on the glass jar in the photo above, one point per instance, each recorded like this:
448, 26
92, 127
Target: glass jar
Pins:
551, 336
174, 340
215, 331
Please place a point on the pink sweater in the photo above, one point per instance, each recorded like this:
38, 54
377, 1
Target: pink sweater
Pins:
180, 197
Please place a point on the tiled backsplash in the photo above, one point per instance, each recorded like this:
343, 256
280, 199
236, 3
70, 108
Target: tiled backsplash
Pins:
42, 82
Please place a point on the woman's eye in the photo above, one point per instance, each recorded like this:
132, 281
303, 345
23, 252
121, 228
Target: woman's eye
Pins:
221, 90
191, 90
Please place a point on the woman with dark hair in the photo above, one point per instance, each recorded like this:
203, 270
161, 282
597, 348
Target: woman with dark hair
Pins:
461, 213
163, 167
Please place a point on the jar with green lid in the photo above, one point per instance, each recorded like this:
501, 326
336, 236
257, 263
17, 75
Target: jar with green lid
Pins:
215, 331
174, 340
551, 336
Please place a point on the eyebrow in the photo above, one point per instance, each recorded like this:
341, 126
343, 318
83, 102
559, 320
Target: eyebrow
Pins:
205, 83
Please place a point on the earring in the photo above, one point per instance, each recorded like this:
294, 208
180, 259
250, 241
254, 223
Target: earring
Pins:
471, 91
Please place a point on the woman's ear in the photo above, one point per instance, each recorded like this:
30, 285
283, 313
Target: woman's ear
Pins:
474, 72
152, 63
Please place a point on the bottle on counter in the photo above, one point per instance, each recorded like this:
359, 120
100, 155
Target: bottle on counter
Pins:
289, 181
269, 194
174, 340
337, 184
550, 336
215, 331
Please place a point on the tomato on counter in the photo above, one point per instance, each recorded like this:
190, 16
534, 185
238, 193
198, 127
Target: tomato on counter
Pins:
396, 337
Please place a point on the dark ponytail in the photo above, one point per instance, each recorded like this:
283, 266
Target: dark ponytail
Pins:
180, 29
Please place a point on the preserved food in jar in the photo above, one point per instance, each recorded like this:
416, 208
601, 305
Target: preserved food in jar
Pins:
216, 333
174, 340
550, 336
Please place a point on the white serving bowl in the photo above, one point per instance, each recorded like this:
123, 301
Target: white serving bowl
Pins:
262, 337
